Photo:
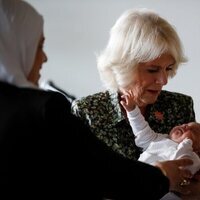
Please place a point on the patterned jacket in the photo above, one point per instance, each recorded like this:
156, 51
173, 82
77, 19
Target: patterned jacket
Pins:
102, 112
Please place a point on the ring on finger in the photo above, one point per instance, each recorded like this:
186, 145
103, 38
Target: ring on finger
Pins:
184, 182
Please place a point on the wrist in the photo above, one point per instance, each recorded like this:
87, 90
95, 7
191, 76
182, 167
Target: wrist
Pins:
163, 171
159, 166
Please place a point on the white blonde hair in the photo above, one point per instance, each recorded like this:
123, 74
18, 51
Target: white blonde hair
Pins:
137, 36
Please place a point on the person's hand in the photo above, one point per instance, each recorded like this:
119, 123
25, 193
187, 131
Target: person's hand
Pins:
193, 187
177, 174
194, 190
197, 176
128, 100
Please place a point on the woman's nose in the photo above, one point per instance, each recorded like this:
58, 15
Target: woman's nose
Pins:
162, 78
45, 59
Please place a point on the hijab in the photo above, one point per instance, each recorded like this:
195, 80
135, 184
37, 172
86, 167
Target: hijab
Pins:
21, 27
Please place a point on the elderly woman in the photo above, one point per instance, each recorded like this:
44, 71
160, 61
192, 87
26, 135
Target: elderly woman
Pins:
143, 52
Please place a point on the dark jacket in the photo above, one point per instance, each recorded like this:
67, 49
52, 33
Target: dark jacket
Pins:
47, 151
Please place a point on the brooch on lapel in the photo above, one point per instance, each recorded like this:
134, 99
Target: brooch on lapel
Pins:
158, 115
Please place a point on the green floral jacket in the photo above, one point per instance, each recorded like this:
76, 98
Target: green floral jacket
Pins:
103, 114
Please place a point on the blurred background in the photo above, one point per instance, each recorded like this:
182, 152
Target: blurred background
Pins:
77, 30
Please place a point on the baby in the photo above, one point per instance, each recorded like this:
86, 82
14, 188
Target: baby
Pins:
182, 141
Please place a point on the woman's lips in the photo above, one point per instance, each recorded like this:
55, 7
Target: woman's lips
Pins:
154, 92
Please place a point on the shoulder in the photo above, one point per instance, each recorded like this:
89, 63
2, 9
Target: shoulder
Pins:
176, 96
95, 106
33, 101
52, 109
171, 109
175, 99
51, 104
91, 101
44, 99
28, 95
180, 104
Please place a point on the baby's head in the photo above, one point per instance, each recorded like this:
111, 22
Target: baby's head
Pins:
190, 130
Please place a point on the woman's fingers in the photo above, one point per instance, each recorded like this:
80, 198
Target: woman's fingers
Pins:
186, 173
184, 162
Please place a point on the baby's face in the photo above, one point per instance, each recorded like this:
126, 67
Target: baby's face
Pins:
190, 130
179, 133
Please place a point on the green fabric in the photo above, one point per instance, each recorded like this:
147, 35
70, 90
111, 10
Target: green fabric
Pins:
103, 114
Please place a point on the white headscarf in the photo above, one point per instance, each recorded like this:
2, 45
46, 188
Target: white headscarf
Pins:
21, 28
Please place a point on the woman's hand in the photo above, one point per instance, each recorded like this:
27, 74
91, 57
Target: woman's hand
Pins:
177, 174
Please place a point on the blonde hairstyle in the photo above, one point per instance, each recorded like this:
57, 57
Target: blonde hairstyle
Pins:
137, 36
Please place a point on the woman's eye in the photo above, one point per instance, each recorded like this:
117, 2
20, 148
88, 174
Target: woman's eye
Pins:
169, 69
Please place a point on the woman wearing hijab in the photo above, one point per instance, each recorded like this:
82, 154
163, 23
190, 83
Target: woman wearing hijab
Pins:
37, 158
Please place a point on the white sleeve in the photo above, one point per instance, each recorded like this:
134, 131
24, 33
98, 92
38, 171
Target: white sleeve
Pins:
185, 150
141, 129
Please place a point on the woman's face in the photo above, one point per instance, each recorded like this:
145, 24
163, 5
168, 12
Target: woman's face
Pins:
40, 58
150, 77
